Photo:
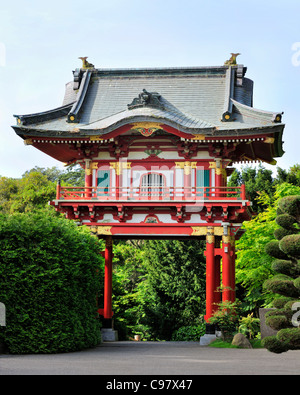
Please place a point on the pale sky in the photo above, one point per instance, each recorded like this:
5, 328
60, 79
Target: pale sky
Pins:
40, 43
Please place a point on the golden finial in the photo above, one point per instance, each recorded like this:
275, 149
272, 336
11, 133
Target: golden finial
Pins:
85, 63
232, 60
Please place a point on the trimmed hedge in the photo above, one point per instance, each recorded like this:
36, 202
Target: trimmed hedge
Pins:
49, 280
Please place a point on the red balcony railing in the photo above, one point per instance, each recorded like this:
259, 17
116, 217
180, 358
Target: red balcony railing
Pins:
151, 193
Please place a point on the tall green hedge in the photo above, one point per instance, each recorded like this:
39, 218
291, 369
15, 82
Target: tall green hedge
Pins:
50, 273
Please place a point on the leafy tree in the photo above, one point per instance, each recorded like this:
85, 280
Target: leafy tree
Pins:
73, 175
50, 273
36, 188
31, 192
292, 176
8, 188
286, 284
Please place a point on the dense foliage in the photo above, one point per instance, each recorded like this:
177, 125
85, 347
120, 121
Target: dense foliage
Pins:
50, 274
286, 283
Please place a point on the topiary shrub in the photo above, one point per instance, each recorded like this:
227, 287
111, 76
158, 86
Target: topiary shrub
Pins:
286, 284
49, 275
290, 245
273, 249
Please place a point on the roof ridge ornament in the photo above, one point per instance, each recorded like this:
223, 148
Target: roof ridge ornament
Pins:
78, 73
145, 98
232, 60
85, 64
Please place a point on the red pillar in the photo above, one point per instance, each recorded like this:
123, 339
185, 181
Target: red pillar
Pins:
226, 269
210, 276
88, 183
108, 255
217, 293
233, 270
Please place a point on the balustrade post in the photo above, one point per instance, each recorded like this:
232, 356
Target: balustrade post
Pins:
58, 190
219, 182
243, 192
187, 180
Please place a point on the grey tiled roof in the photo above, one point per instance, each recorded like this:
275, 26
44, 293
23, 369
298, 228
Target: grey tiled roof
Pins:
193, 100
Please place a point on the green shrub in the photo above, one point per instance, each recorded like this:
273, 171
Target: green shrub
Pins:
50, 275
280, 233
272, 248
280, 302
290, 337
290, 245
226, 318
286, 221
277, 322
285, 267
249, 326
189, 333
282, 285
290, 204
274, 345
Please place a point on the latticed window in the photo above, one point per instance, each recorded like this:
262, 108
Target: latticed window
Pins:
152, 184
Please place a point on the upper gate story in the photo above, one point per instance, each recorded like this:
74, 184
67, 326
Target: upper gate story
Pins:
157, 146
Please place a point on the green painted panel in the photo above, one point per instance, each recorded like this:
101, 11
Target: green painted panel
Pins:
103, 182
202, 180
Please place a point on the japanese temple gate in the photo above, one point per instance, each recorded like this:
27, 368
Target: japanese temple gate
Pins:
157, 146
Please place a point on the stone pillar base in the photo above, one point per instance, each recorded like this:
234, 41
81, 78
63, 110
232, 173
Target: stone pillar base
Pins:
109, 335
207, 339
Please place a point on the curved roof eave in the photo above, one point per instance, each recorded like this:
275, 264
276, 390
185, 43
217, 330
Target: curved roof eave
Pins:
270, 117
177, 120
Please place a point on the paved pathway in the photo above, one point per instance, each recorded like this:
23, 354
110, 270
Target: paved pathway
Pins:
154, 358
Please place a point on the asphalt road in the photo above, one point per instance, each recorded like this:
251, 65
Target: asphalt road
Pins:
155, 359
